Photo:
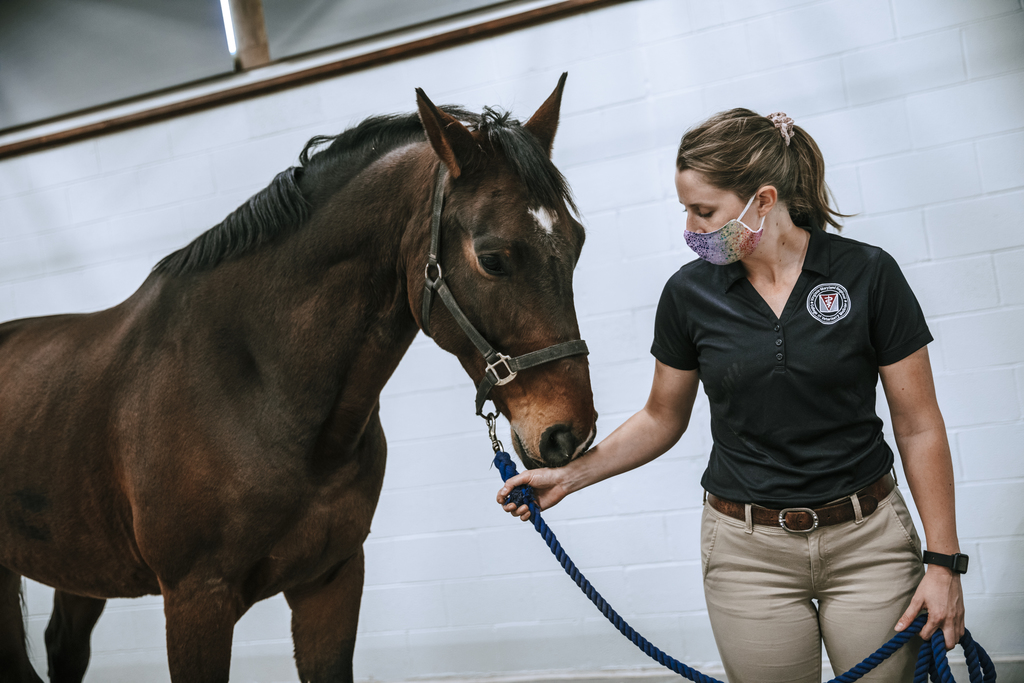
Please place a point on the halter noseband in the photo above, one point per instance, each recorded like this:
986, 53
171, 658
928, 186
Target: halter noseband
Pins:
501, 369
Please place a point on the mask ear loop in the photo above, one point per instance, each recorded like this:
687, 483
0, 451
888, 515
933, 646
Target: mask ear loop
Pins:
744, 212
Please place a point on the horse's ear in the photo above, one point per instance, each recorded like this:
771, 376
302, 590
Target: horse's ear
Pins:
544, 121
450, 139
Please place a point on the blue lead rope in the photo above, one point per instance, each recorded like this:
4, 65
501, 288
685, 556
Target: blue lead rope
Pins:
931, 659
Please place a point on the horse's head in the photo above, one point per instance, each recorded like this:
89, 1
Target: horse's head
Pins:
508, 244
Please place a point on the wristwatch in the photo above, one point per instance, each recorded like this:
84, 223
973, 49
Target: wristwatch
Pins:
957, 561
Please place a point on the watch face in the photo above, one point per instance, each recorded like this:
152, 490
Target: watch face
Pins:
960, 563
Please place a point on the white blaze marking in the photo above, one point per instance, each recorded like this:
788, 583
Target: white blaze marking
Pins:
544, 219
585, 445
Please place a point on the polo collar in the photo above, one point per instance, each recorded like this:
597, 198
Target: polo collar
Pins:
817, 260
731, 273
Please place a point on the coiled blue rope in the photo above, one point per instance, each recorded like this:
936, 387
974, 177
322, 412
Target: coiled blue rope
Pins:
931, 659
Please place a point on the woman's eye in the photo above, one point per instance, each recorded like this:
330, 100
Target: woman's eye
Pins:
705, 215
491, 264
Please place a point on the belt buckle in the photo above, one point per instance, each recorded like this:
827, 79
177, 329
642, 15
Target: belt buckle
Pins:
782, 520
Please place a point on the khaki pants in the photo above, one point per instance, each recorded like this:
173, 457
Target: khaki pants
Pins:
773, 595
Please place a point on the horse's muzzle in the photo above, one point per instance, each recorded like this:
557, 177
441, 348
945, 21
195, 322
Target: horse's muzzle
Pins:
558, 446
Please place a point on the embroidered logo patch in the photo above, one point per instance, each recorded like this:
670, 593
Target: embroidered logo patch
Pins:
828, 303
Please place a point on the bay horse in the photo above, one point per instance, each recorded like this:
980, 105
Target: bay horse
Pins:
216, 439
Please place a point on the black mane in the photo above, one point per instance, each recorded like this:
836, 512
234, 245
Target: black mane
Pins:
284, 205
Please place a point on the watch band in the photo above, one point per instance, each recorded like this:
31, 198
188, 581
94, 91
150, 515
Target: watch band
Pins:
957, 561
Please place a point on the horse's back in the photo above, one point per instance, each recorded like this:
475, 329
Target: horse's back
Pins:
45, 362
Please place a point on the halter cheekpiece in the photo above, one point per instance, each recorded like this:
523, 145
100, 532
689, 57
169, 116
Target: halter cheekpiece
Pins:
501, 369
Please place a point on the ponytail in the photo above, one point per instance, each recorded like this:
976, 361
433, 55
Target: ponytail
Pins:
810, 203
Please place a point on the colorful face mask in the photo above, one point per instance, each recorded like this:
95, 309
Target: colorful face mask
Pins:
730, 243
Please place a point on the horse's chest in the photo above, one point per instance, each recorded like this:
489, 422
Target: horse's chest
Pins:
330, 527
318, 541
336, 527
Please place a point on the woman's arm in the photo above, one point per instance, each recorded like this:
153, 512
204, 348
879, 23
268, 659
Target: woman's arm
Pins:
921, 438
640, 439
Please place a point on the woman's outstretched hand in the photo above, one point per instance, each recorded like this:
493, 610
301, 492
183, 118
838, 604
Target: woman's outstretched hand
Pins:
549, 487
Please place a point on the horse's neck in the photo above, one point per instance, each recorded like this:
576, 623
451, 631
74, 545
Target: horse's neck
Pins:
321, 321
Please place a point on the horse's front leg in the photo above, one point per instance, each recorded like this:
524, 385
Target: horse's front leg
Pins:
201, 616
325, 614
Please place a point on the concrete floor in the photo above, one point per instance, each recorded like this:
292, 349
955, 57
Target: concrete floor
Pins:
1008, 672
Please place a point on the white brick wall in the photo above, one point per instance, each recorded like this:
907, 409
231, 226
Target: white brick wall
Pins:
918, 106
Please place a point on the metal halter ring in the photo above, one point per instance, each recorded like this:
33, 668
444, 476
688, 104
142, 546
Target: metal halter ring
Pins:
502, 360
782, 520
426, 273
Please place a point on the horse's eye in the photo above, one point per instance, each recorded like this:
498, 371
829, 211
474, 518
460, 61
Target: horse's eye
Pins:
491, 264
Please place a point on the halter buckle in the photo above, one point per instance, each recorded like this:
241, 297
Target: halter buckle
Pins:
502, 361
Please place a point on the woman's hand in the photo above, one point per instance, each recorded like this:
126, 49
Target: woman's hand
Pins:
941, 594
548, 488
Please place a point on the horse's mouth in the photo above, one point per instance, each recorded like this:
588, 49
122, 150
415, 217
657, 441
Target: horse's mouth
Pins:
522, 451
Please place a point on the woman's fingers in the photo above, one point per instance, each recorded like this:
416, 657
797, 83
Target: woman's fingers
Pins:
543, 482
910, 614
941, 595
520, 511
519, 480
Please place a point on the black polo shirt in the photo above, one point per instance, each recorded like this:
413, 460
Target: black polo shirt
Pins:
792, 398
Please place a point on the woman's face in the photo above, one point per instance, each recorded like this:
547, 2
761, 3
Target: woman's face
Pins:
707, 207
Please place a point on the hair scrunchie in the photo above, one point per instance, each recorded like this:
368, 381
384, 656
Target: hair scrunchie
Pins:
783, 123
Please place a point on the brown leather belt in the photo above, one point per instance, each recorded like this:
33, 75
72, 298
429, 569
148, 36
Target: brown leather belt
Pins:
804, 520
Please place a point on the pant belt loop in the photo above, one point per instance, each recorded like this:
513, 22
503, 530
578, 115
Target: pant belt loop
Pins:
705, 501
858, 514
749, 517
895, 479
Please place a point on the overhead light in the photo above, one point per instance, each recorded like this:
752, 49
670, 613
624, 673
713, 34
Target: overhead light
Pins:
229, 29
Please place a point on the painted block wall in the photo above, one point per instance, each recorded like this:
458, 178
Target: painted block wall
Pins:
918, 106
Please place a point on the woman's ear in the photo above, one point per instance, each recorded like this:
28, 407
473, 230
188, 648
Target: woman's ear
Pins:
767, 198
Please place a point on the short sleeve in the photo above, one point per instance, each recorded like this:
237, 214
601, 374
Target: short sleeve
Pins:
672, 343
898, 327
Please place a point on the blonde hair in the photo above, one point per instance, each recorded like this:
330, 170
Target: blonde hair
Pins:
739, 151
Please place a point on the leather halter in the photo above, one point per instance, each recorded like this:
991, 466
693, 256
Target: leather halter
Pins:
495, 360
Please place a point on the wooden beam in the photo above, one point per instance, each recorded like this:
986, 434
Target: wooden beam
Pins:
252, 49
466, 34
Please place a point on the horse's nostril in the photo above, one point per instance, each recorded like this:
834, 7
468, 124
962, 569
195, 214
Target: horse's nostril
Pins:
558, 445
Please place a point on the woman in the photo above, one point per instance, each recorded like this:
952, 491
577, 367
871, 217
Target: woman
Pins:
804, 536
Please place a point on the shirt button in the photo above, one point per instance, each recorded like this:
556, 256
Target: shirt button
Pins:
776, 328
778, 342
778, 356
